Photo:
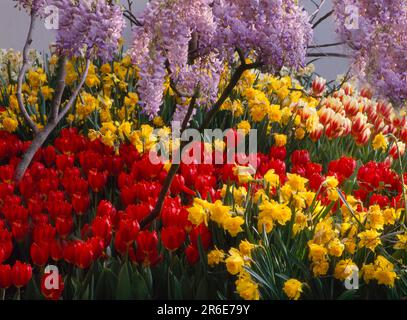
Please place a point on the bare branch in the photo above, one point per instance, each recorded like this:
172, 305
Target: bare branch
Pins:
21, 76
322, 19
327, 45
318, 9
132, 18
75, 93
42, 135
328, 54
171, 173
228, 90
56, 102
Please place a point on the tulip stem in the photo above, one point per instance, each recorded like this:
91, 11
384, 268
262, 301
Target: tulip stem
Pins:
3, 294
18, 293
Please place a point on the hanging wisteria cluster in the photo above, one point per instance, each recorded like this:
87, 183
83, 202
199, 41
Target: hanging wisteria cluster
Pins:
274, 32
279, 31
376, 31
92, 28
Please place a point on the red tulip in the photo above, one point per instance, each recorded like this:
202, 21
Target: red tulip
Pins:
5, 251
21, 274
6, 244
6, 279
69, 251
80, 203
102, 228
6, 173
129, 154
192, 254
19, 230
44, 233
147, 253
300, 157
97, 246
173, 215
35, 205
278, 153
2, 254
49, 155
3, 149
97, 180
74, 184
126, 235
380, 200
137, 211
55, 250
6, 189
64, 161
84, 255
64, 226
106, 209
127, 195
205, 235
178, 186
39, 254
172, 237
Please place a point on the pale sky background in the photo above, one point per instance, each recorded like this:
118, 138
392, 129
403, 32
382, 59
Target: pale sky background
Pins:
14, 24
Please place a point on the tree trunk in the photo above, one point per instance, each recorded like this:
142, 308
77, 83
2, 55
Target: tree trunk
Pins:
32, 150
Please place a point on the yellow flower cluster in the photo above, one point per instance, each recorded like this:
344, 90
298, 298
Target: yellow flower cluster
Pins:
325, 243
272, 212
224, 216
381, 270
235, 261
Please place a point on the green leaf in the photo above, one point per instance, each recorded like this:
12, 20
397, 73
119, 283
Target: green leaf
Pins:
123, 290
141, 291
348, 295
106, 285
32, 292
202, 290
202, 254
187, 289
148, 277
174, 287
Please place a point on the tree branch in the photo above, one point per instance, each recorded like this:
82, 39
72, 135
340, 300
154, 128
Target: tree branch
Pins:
75, 93
132, 18
171, 173
228, 90
326, 45
328, 54
322, 19
56, 102
21, 76
315, 13
42, 135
